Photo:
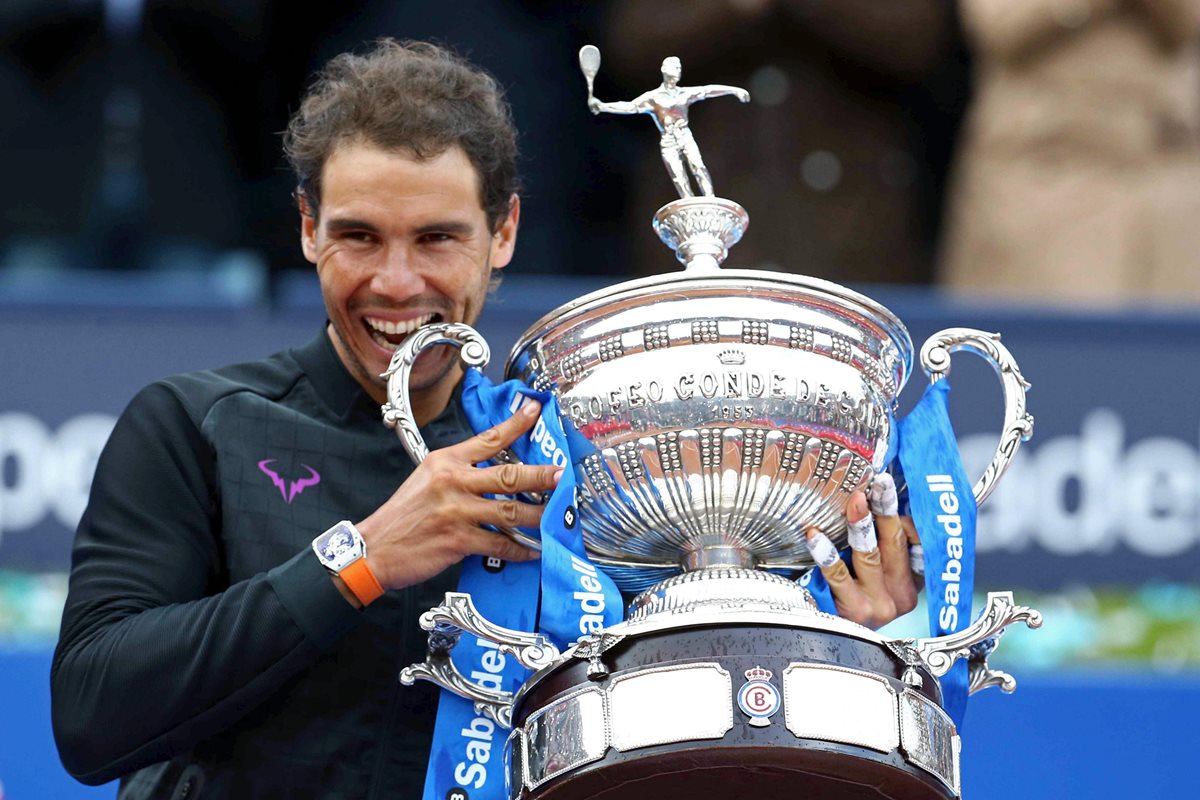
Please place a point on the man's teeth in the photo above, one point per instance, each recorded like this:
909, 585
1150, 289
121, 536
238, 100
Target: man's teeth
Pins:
406, 327
381, 329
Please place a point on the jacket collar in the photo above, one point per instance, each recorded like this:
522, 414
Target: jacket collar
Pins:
347, 400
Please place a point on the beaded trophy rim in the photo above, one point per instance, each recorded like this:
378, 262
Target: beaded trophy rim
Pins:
655, 287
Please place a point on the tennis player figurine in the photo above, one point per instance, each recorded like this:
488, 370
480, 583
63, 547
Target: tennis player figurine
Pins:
668, 105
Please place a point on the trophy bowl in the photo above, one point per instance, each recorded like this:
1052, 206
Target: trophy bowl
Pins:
723, 414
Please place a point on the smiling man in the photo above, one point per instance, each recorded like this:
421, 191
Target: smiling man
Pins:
257, 547
211, 647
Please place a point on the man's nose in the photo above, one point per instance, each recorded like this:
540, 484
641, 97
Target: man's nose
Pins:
399, 276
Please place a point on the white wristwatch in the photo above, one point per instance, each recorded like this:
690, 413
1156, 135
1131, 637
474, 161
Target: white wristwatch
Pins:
343, 552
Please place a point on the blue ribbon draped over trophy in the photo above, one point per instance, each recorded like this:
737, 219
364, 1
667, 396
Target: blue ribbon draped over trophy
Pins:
575, 598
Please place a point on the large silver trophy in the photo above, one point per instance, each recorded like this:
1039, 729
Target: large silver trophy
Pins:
727, 411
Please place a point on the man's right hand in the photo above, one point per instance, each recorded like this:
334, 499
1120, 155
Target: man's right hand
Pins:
434, 519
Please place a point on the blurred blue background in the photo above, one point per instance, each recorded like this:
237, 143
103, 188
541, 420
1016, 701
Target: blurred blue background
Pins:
147, 229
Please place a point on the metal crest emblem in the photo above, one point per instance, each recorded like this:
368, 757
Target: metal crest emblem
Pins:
758, 698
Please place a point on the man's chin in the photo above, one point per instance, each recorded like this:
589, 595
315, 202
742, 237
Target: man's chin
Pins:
432, 368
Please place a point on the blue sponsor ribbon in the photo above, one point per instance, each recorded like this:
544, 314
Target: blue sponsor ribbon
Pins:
467, 756
943, 509
576, 598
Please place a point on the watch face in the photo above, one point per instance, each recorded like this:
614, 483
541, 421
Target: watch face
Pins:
338, 547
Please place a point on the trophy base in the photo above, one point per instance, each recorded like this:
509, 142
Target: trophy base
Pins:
761, 696
733, 710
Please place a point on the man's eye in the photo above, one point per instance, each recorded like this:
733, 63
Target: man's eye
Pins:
356, 237
434, 238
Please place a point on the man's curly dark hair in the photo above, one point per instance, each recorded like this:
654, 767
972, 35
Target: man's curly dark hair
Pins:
410, 97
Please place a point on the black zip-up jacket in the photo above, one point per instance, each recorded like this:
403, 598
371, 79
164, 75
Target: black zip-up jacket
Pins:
204, 650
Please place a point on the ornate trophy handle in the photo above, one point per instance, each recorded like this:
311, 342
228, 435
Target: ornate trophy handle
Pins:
980, 676
974, 643
445, 624
397, 412
1018, 424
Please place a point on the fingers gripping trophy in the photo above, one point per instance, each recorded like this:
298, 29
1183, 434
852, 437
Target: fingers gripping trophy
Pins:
718, 415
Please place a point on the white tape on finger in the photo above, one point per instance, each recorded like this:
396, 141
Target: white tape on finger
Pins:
916, 558
861, 535
823, 551
882, 495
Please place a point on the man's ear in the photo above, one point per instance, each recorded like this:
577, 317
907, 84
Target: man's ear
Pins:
504, 238
308, 227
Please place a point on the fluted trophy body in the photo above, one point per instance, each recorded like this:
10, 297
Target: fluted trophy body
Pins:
718, 414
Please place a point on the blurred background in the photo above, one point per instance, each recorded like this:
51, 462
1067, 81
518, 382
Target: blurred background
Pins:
1025, 166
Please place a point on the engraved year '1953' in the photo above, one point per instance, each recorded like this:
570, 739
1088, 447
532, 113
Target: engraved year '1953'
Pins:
732, 412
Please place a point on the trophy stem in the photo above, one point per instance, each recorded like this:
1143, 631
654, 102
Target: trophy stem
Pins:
721, 556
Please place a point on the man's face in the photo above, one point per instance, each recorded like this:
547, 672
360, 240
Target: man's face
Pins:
400, 242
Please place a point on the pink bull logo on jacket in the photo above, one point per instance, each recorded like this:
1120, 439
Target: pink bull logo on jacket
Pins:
289, 489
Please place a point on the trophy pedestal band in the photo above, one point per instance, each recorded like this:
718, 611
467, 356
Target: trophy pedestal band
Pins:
720, 589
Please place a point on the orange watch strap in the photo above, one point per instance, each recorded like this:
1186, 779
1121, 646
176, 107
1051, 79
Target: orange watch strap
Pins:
361, 581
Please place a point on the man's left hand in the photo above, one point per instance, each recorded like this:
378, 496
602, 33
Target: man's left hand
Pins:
883, 585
